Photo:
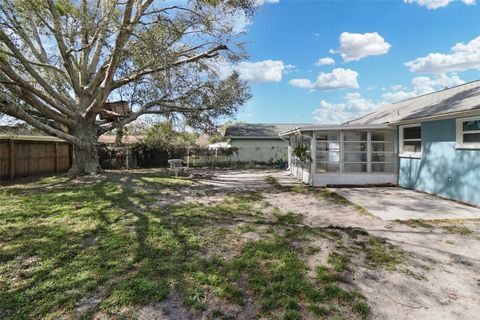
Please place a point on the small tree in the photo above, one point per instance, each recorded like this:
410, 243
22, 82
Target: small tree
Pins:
302, 153
60, 61
163, 136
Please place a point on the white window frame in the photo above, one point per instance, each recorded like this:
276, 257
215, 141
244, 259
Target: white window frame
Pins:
402, 152
460, 133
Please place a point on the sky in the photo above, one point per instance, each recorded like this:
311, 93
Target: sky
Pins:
330, 61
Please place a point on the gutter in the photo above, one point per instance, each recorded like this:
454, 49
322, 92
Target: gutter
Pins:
443, 116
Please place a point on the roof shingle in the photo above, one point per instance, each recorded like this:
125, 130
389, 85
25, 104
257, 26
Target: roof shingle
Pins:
259, 130
465, 97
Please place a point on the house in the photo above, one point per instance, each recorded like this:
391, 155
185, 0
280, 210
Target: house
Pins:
219, 145
259, 143
429, 143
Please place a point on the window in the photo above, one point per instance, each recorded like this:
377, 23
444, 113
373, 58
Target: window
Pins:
356, 151
328, 152
355, 155
468, 133
382, 151
411, 141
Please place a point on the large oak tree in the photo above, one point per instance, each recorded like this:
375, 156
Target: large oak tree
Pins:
60, 61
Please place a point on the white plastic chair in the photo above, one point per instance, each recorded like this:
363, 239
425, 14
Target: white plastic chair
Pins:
177, 165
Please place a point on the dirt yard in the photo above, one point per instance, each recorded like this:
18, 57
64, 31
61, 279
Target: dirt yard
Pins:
439, 279
240, 245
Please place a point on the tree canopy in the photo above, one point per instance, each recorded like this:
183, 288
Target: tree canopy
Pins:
60, 61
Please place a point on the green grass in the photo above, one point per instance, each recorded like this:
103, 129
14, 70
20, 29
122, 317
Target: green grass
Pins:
100, 245
380, 253
416, 223
458, 230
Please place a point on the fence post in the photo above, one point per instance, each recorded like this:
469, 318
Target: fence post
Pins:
11, 158
70, 155
57, 164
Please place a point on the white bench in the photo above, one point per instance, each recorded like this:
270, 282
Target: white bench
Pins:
177, 165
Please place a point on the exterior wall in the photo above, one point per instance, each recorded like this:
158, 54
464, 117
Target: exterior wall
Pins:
307, 172
300, 170
325, 179
443, 170
260, 150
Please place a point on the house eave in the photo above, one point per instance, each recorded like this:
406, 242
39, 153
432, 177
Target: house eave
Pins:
443, 116
344, 127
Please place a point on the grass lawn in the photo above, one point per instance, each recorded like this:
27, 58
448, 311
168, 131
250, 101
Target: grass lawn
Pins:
108, 246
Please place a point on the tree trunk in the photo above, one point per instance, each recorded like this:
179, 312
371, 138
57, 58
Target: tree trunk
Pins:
85, 156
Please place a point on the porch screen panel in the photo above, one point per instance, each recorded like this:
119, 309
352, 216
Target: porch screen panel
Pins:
383, 151
328, 152
355, 151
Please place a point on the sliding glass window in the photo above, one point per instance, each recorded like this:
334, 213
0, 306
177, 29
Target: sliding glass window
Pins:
356, 151
355, 147
328, 152
383, 151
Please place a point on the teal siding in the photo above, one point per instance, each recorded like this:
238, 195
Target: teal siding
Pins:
443, 170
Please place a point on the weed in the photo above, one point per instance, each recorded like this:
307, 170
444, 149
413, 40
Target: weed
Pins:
458, 230
362, 308
415, 223
379, 253
312, 251
339, 262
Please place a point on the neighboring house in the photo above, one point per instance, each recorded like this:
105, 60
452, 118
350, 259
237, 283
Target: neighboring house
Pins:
259, 143
219, 145
429, 143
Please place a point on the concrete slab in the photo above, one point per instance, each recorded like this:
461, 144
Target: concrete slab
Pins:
393, 203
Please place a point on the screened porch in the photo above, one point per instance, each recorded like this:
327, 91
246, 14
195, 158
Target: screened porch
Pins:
346, 156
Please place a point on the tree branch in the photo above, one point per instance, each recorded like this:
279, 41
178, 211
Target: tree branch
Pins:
139, 74
9, 109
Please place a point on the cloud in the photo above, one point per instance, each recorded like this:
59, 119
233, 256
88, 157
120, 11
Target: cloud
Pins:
254, 72
422, 85
301, 83
262, 2
353, 106
355, 46
337, 79
325, 61
236, 19
463, 57
435, 4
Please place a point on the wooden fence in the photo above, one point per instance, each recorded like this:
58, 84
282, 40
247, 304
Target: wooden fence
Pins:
30, 156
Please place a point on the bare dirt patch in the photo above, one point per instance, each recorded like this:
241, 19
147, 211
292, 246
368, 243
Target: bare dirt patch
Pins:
439, 279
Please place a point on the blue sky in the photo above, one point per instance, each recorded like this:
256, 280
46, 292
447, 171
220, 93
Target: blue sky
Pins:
371, 41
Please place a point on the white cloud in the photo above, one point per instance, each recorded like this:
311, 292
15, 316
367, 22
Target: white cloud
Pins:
325, 61
355, 46
435, 4
262, 71
262, 2
301, 83
337, 79
422, 85
353, 106
463, 57
235, 19
254, 72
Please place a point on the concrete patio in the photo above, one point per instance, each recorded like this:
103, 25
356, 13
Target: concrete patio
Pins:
393, 203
